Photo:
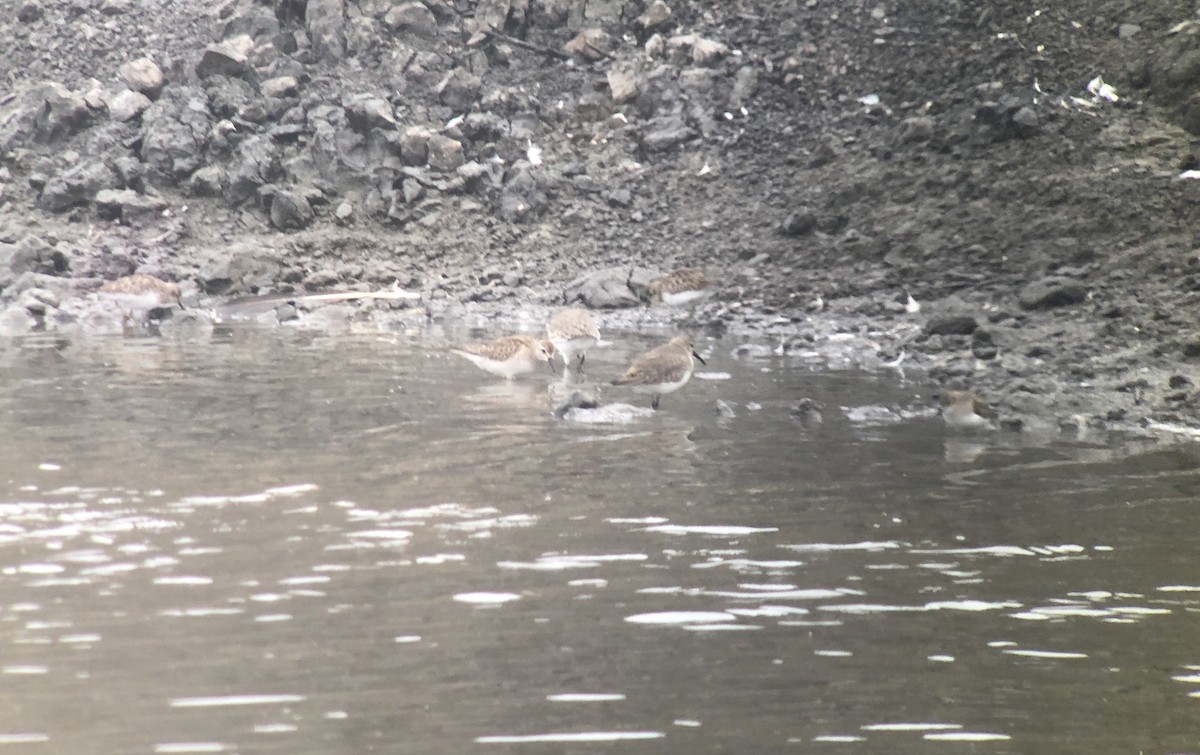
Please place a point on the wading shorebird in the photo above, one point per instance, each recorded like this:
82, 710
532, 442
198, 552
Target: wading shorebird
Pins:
683, 288
573, 332
508, 356
662, 370
139, 295
964, 410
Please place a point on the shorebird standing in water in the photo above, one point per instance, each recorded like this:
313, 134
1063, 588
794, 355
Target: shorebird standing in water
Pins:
964, 410
508, 356
141, 295
661, 370
573, 332
685, 287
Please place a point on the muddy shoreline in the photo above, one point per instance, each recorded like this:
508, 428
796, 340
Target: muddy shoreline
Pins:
826, 161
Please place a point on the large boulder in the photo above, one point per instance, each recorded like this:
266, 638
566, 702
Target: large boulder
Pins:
255, 163
230, 57
607, 288
45, 113
29, 255
1050, 292
326, 22
143, 75
175, 132
76, 186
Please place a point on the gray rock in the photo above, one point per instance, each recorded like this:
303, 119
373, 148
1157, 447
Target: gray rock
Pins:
411, 190
414, 145
807, 412
492, 16
622, 83
484, 127
917, 128
459, 89
411, 18
290, 211
16, 321
984, 350
255, 163
325, 20
129, 173
114, 7
579, 398
230, 97
367, 112
30, 255
175, 132
589, 45
57, 286
37, 301
1127, 31
745, 82
724, 410
607, 288
445, 153
257, 23
30, 11
656, 17
240, 269
699, 49
209, 181
143, 75
666, 131
280, 86
127, 105
521, 198
127, 206
1052, 292
60, 113
230, 57
800, 222
951, 325
187, 324
76, 186
1025, 119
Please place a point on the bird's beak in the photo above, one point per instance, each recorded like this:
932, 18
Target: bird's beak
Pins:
700, 358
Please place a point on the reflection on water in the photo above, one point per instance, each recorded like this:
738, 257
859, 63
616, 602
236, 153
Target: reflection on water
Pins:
287, 543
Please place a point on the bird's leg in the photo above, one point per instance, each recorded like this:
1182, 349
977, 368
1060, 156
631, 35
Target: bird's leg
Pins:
654, 402
582, 356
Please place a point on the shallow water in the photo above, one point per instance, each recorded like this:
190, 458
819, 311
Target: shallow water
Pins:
280, 542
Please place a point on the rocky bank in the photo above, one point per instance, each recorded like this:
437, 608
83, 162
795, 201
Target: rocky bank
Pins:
1022, 174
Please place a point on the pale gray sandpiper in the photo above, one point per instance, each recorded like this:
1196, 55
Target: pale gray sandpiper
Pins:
508, 356
663, 369
685, 287
140, 294
573, 332
965, 410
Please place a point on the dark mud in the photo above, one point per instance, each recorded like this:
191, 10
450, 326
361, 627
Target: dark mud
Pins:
826, 159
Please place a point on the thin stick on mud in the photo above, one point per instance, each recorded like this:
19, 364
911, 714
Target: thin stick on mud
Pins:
495, 35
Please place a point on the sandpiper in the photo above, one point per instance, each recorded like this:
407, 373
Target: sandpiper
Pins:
141, 294
684, 287
573, 332
964, 410
508, 356
663, 369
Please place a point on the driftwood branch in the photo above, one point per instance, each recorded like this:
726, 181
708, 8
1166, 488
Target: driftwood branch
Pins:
500, 36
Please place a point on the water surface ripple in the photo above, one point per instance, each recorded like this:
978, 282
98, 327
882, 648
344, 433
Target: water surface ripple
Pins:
281, 542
